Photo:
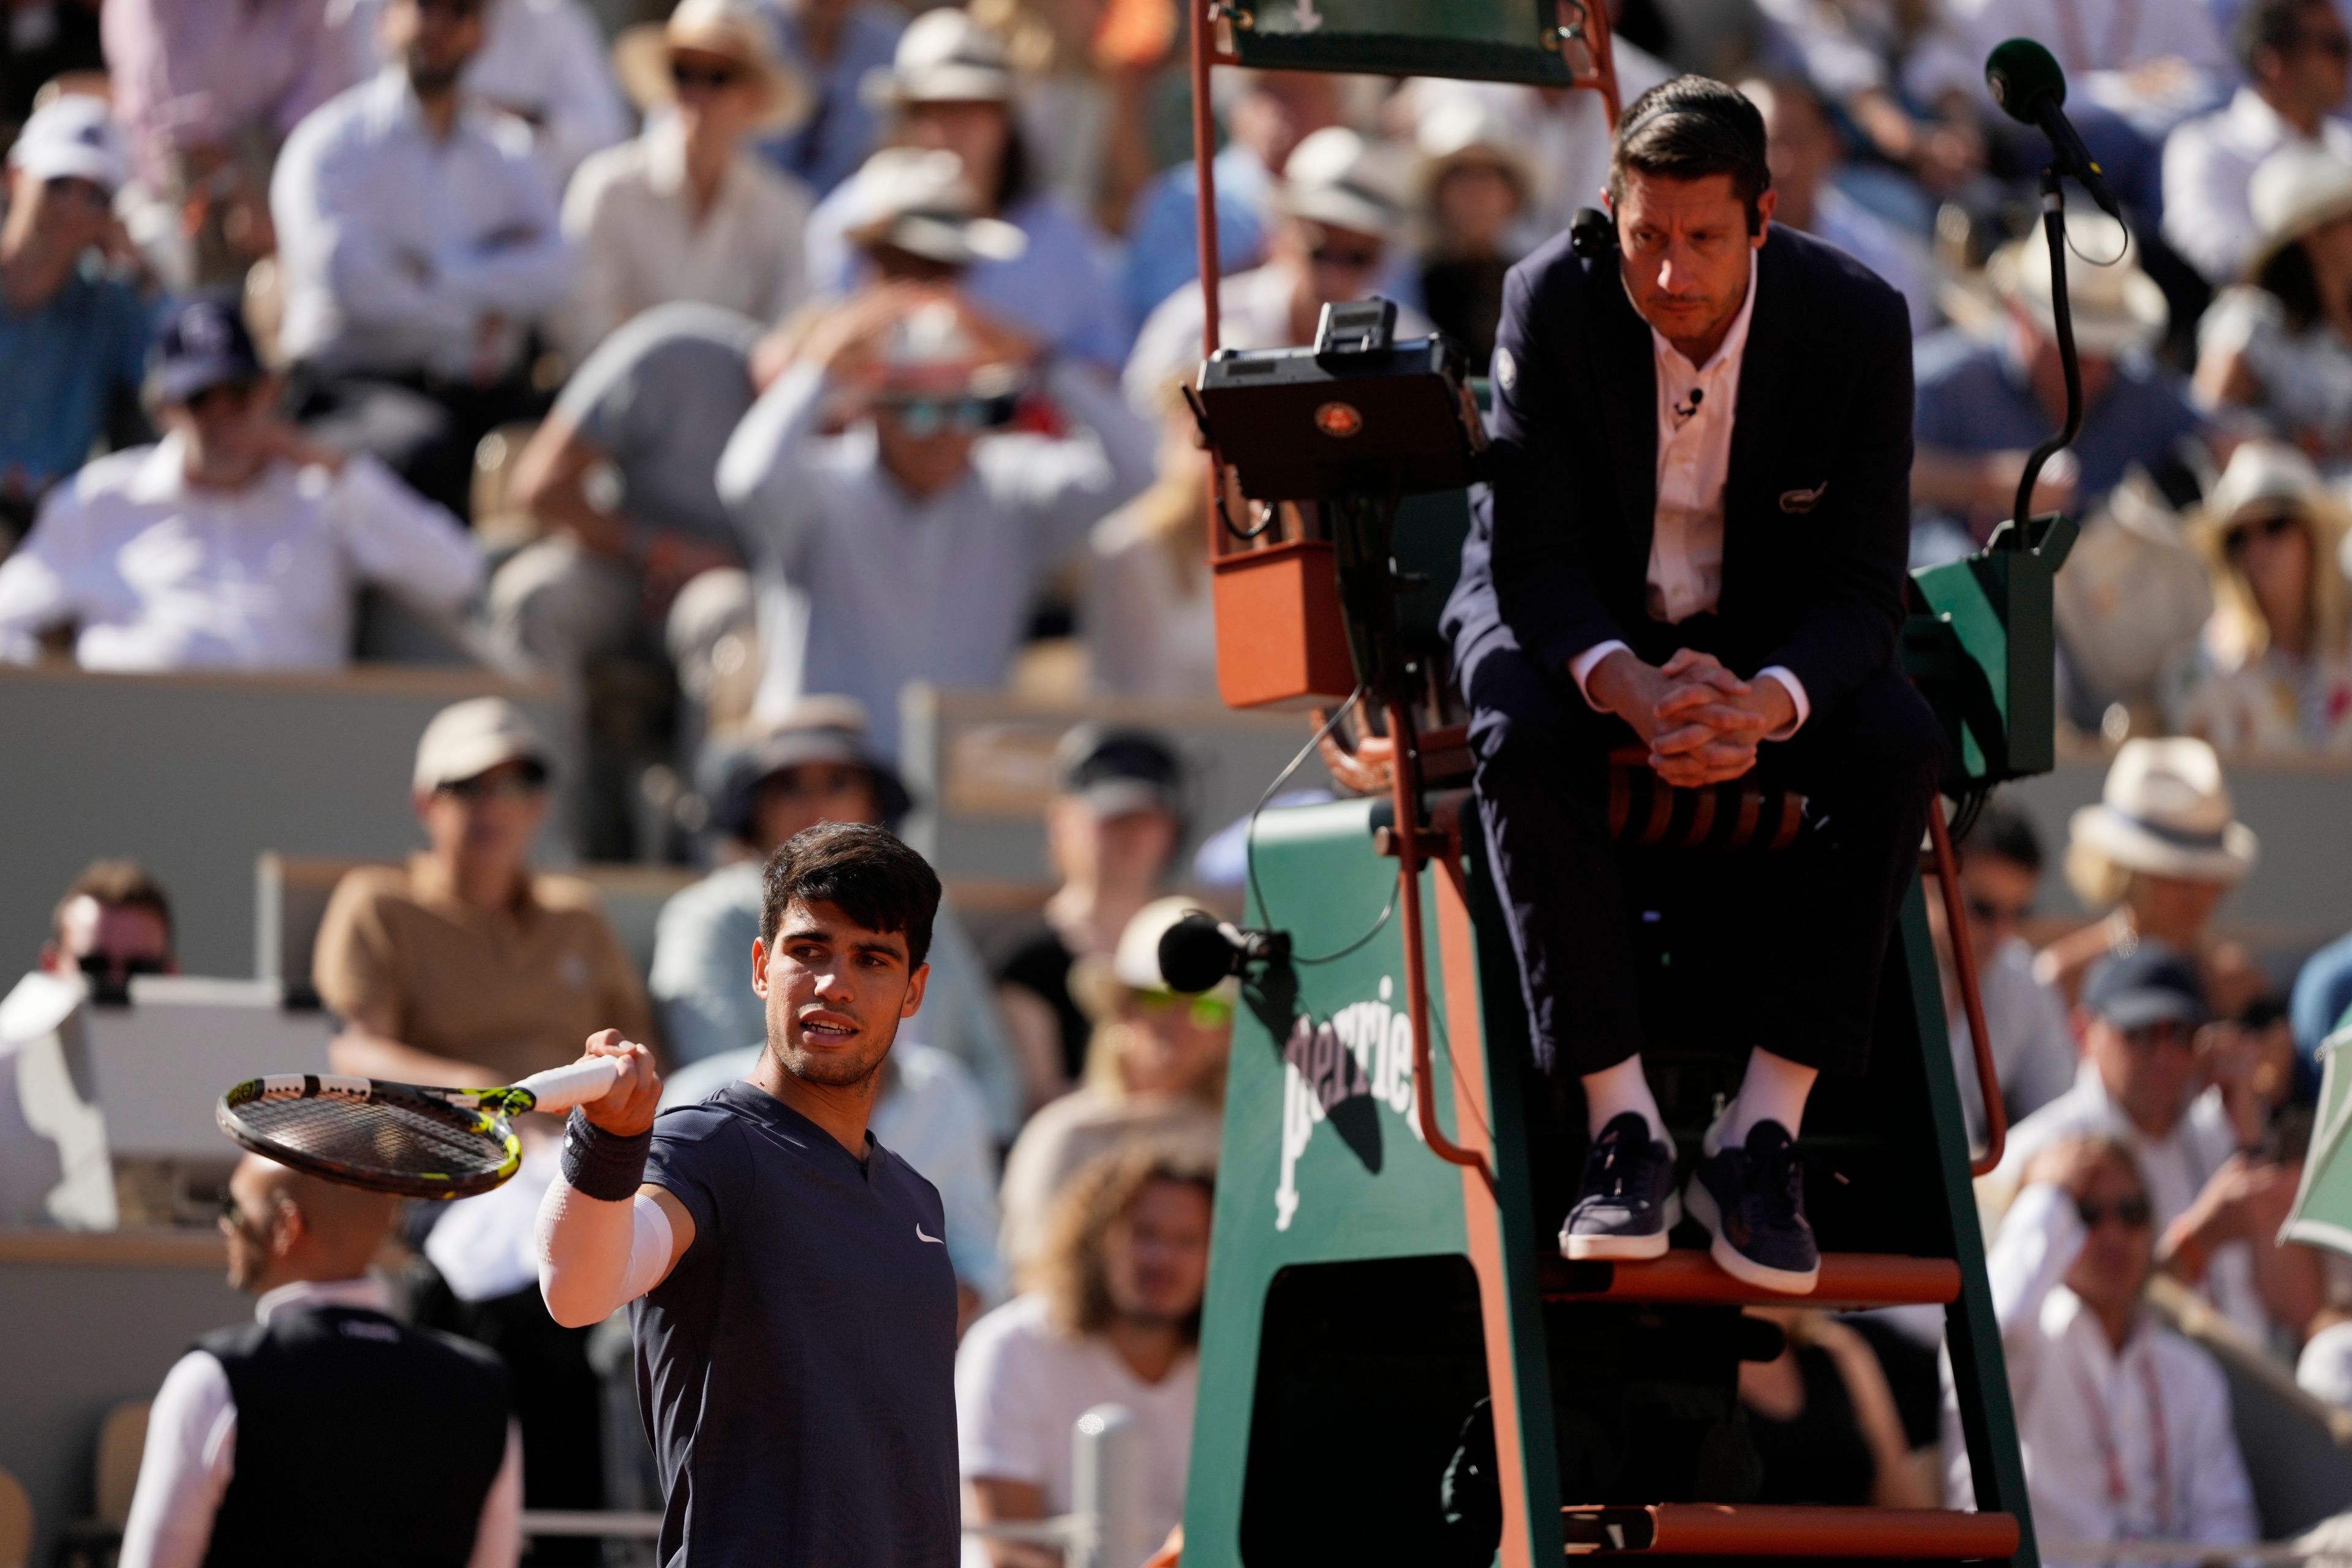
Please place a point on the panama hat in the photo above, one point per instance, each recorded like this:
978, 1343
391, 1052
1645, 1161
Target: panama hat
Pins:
2294, 191
944, 57
2166, 811
1333, 178
916, 199
1462, 129
2116, 307
735, 30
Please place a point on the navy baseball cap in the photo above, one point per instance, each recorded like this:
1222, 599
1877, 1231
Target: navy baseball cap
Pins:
1117, 771
204, 343
2152, 983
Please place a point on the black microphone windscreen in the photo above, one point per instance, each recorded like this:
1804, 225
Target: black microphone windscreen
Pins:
2021, 74
1194, 955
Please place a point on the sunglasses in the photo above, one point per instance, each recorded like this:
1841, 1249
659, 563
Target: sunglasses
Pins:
231, 1215
967, 416
2268, 527
1347, 259
88, 192
1205, 1012
687, 78
2133, 1213
1984, 911
109, 977
230, 397
806, 783
2149, 1037
498, 785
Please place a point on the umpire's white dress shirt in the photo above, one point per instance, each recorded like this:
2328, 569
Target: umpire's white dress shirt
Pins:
1696, 407
191, 1452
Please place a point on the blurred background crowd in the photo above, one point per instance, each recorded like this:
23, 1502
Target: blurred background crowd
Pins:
737, 369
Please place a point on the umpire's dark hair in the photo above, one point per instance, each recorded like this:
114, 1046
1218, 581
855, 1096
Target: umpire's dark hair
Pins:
1688, 129
2004, 832
873, 876
2274, 25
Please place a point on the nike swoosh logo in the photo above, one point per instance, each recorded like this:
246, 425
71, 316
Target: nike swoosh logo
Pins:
920, 1237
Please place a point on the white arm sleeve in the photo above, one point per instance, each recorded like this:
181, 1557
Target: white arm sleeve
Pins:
596, 1257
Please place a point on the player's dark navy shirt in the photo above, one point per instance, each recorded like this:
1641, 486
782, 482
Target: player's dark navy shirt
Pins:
797, 1368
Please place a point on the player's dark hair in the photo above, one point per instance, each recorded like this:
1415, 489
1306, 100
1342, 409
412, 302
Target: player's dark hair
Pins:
1688, 129
2004, 832
2275, 25
866, 871
116, 885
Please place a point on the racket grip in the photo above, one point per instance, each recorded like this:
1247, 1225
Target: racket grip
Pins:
558, 1090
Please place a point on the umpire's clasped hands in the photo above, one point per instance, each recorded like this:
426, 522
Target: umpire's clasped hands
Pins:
1702, 722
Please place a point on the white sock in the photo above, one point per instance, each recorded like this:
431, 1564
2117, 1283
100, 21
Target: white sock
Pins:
1613, 1091
1774, 1090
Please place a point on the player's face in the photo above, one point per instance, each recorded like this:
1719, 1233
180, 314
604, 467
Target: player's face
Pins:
1156, 1255
836, 992
1684, 245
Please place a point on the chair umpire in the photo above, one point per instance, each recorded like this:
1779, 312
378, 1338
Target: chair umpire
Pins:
1653, 511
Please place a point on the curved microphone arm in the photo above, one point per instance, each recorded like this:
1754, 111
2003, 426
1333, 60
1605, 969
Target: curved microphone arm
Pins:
2054, 228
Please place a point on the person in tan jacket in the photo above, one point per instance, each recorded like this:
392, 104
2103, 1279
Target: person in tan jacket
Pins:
465, 967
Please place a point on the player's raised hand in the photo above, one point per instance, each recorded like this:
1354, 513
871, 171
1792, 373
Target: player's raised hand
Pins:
629, 1109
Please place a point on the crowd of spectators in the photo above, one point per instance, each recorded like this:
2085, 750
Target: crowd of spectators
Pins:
785, 352
798, 323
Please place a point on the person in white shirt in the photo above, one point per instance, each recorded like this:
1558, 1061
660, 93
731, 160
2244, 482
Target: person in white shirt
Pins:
2124, 1425
2034, 1051
2298, 60
1338, 218
2141, 1083
1112, 1316
251, 1441
541, 62
417, 242
688, 210
1563, 133
1805, 154
235, 542
908, 546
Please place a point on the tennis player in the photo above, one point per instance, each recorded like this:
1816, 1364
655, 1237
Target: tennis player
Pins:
795, 1310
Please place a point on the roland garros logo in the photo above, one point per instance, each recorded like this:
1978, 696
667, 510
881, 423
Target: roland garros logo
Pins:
1364, 1051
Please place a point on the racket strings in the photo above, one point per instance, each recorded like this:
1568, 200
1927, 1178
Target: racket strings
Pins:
376, 1135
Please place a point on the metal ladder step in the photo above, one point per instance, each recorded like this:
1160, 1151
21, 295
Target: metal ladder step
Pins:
1849, 1279
1723, 1530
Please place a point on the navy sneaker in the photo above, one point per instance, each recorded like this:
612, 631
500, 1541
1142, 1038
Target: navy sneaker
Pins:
1627, 1201
1753, 1199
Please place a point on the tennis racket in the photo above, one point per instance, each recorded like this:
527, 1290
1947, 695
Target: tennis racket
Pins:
402, 1138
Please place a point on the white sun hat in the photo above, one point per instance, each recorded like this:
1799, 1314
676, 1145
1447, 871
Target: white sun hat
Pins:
2166, 811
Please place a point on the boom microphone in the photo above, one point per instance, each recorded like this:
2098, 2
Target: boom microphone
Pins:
2030, 87
1199, 950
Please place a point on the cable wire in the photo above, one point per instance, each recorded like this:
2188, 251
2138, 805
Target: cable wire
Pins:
1249, 837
